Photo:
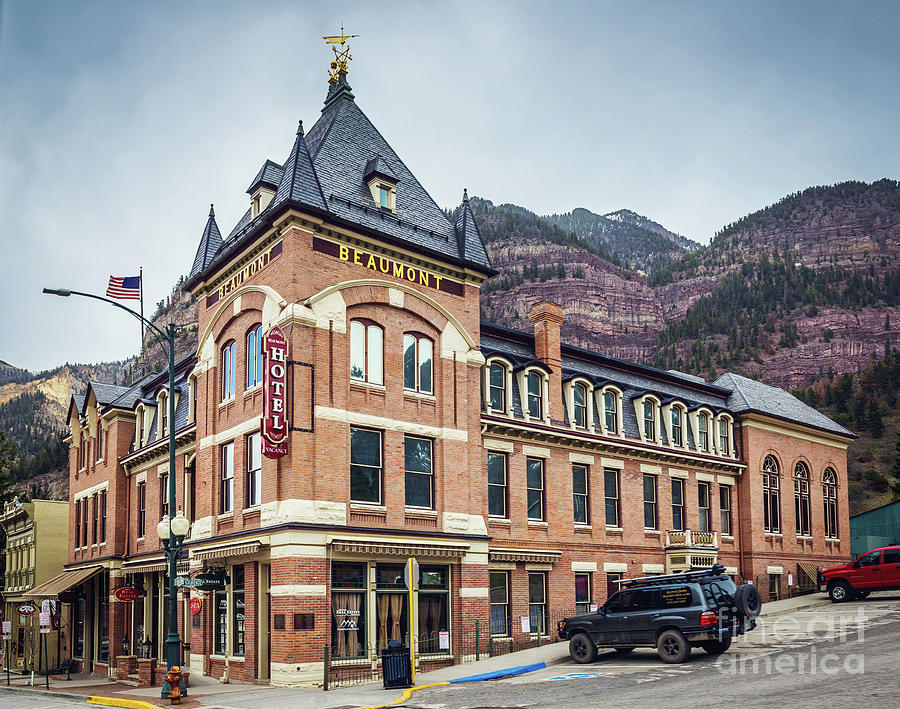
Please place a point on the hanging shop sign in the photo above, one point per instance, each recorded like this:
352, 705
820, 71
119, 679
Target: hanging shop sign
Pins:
126, 594
274, 419
26, 609
388, 266
69, 596
196, 605
204, 580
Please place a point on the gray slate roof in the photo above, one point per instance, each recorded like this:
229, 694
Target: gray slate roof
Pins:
107, 393
269, 174
751, 395
209, 244
468, 238
325, 173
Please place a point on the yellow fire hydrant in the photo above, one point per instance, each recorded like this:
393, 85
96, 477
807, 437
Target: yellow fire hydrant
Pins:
173, 677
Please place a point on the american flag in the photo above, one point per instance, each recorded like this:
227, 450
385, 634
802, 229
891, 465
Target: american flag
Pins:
124, 287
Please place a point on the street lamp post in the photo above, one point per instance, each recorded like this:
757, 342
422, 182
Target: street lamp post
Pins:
173, 536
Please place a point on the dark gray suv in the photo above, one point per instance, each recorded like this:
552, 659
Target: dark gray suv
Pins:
671, 613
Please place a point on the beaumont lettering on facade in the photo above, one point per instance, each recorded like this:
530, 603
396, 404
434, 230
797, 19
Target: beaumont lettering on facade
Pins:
527, 476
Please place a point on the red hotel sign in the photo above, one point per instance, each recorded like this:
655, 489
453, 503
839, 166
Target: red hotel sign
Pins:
274, 419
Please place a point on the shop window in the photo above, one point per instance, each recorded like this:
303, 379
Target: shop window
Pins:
78, 627
390, 604
141, 509
417, 363
237, 609
419, 472
348, 607
703, 506
611, 412
677, 504
829, 495
254, 469
725, 508
103, 616
229, 370
582, 593
226, 502
497, 387
365, 465
579, 405
650, 516
497, 485
774, 586
434, 607
535, 485
611, 496
771, 495
220, 622
537, 602
703, 432
580, 483
535, 386
499, 597
366, 352
254, 356
801, 499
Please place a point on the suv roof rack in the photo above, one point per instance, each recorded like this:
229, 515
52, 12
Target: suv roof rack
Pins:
715, 570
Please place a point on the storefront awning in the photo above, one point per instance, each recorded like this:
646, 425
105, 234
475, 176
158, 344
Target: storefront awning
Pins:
63, 582
226, 552
373, 547
534, 556
151, 566
810, 569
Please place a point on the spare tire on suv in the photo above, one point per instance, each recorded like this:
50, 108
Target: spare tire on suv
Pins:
747, 600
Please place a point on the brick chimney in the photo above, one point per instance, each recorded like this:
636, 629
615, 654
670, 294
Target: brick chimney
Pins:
547, 319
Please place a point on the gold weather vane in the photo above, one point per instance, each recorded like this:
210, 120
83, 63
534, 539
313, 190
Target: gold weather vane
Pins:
342, 56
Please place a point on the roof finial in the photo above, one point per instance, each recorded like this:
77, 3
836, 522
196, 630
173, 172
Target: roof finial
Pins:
300, 129
342, 57
212, 211
465, 195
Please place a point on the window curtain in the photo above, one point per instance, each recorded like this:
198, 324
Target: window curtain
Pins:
383, 600
396, 605
347, 642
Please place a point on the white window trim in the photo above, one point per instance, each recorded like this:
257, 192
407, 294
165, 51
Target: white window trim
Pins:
731, 452
377, 183
639, 412
667, 422
161, 404
486, 377
588, 403
545, 393
598, 394
695, 429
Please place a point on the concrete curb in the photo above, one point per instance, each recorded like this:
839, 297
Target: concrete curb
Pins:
811, 603
107, 701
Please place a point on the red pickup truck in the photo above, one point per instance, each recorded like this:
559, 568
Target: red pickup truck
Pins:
876, 570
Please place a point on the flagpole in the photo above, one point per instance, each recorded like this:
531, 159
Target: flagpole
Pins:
141, 284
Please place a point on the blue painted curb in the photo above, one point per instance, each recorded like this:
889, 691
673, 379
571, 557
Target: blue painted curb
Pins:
509, 672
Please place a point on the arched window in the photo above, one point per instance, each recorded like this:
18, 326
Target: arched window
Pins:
366, 352
829, 495
229, 367
724, 436
497, 387
611, 412
535, 386
703, 432
417, 363
139, 429
579, 405
771, 495
162, 408
801, 498
254, 356
649, 411
677, 426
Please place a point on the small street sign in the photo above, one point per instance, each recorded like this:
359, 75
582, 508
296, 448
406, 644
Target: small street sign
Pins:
196, 605
411, 568
26, 609
7, 627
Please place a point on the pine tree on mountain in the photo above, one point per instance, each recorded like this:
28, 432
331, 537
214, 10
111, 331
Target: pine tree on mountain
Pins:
7, 456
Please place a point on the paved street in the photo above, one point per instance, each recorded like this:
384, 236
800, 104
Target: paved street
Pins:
770, 667
829, 655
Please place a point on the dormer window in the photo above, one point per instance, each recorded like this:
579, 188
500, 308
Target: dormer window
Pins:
703, 432
677, 427
647, 412
649, 420
535, 395
382, 183
163, 410
384, 196
724, 436
611, 401
497, 387
580, 407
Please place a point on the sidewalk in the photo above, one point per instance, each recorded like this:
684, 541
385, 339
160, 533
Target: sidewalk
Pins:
208, 693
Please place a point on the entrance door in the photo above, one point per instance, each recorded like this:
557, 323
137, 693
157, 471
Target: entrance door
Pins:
20, 646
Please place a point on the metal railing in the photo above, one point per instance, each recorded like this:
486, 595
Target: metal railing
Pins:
468, 642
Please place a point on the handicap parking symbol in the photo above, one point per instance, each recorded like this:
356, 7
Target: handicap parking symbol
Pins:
576, 675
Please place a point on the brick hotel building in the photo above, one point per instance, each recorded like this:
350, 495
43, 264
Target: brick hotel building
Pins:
525, 475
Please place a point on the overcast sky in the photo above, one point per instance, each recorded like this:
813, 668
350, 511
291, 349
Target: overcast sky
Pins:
121, 121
